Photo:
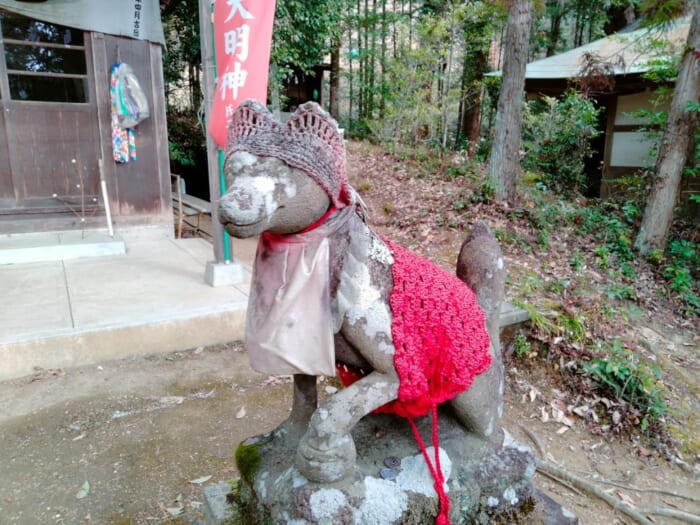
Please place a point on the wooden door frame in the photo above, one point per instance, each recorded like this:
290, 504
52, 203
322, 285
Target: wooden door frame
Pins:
22, 204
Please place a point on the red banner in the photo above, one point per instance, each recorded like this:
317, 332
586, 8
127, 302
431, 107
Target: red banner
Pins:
242, 39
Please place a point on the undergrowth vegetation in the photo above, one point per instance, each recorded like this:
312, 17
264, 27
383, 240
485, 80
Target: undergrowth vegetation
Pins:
582, 285
577, 313
557, 140
576, 317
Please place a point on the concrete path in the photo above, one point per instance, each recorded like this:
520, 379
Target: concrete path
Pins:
93, 298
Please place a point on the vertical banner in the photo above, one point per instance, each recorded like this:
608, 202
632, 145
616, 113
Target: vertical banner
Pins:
242, 41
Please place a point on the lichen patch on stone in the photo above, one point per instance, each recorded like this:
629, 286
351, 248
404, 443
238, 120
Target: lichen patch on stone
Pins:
510, 496
415, 475
384, 503
325, 503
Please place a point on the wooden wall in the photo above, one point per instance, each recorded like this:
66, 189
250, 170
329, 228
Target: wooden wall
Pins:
139, 191
141, 187
7, 192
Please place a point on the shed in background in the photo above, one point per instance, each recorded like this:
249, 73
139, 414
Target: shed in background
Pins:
624, 57
55, 116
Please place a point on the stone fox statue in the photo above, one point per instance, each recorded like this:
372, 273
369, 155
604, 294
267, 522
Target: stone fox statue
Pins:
328, 293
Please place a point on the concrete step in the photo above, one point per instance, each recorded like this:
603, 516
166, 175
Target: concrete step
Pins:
150, 299
57, 246
79, 347
512, 315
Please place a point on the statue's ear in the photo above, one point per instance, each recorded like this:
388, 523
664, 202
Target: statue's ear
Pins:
312, 120
250, 118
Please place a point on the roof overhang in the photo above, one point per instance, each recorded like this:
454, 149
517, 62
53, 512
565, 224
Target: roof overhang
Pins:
139, 20
627, 55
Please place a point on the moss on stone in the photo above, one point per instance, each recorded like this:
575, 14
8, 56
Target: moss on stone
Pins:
242, 498
248, 461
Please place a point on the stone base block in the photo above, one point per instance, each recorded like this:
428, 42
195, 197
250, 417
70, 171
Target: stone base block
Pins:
223, 274
391, 483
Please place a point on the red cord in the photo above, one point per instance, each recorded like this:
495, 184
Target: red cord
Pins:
443, 517
320, 221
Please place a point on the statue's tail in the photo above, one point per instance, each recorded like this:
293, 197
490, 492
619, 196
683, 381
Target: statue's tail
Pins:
481, 266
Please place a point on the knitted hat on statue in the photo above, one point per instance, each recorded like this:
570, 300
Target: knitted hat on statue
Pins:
309, 140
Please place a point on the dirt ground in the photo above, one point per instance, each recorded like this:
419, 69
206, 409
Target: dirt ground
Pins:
147, 434
143, 433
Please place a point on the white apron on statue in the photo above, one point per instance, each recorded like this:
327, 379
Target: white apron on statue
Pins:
289, 325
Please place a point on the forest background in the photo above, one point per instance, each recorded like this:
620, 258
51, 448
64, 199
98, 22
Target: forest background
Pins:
417, 76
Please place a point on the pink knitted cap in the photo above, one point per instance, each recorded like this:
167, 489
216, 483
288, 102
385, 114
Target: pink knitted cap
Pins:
309, 141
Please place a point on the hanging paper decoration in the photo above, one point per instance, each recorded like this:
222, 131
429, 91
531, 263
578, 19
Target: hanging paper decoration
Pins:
123, 139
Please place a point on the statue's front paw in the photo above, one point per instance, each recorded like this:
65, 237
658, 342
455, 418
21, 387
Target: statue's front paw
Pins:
325, 463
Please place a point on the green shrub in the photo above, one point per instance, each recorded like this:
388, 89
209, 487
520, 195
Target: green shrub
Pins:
623, 375
522, 346
186, 141
613, 225
682, 270
557, 139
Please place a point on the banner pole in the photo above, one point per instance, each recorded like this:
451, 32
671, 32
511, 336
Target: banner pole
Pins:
220, 159
214, 157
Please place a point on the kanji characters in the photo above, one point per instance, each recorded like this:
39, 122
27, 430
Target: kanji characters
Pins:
236, 5
237, 39
233, 80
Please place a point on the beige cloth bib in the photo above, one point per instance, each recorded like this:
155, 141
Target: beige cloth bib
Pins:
289, 325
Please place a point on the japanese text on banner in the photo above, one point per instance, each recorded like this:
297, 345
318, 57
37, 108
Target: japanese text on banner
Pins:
243, 37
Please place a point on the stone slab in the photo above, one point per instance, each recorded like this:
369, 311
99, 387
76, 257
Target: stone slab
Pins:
223, 274
61, 252
71, 348
76, 312
512, 315
483, 484
216, 507
35, 300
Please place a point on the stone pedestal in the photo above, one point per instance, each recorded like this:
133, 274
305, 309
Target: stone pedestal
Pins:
391, 483
223, 274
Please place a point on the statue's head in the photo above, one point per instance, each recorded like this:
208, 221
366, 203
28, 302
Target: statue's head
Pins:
282, 177
309, 141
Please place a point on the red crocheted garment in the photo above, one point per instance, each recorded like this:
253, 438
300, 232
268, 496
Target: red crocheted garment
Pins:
439, 333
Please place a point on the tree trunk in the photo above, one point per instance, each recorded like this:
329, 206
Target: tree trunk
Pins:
658, 214
334, 89
447, 72
382, 64
505, 152
470, 106
557, 13
365, 54
372, 63
474, 63
351, 76
361, 81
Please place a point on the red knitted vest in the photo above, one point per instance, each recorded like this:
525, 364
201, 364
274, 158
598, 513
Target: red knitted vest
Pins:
439, 333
